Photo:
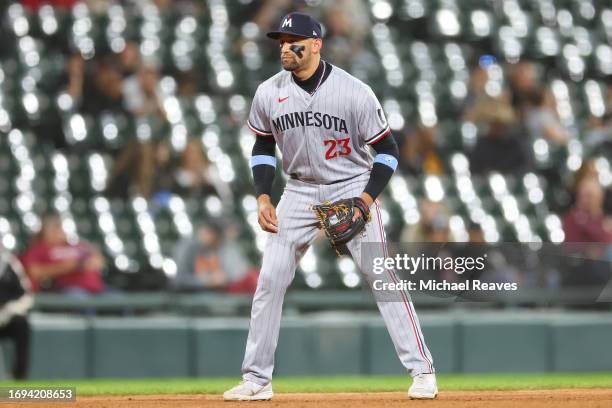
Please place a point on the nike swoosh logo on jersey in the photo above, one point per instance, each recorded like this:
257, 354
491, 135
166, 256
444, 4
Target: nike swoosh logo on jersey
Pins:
283, 99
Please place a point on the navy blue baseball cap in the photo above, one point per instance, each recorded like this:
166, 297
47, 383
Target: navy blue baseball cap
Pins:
298, 24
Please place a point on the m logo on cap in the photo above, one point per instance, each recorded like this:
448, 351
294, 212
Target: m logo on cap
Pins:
287, 23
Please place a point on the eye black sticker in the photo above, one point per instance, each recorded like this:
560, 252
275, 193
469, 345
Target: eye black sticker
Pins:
297, 49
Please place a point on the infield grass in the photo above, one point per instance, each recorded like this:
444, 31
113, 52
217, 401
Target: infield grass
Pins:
330, 384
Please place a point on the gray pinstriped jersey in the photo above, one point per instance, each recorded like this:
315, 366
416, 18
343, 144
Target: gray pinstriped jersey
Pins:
322, 137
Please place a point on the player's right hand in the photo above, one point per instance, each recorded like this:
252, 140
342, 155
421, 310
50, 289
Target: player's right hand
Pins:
266, 214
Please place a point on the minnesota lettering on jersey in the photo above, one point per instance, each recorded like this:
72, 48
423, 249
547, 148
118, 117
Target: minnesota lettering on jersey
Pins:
317, 119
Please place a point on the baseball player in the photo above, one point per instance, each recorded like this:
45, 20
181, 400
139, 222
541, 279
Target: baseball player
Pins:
324, 121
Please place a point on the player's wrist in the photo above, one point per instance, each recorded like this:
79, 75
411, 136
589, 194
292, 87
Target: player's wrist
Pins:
367, 198
263, 198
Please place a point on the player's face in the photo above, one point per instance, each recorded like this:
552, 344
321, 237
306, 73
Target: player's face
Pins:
298, 57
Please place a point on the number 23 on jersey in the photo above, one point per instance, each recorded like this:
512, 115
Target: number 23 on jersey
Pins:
337, 147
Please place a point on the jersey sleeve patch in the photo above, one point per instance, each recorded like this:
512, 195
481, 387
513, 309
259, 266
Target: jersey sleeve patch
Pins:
257, 131
384, 132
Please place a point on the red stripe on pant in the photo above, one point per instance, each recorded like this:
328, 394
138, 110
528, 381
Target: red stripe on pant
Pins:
404, 298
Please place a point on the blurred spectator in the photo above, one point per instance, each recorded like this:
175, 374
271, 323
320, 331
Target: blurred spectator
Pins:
179, 7
198, 261
142, 168
103, 90
432, 226
599, 134
71, 268
189, 82
418, 154
75, 68
542, 121
269, 12
129, 58
99, 7
15, 302
162, 172
242, 275
524, 81
498, 269
191, 177
141, 93
74, 80
34, 5
345, 29
587, 170
132, 172
500, 148
209, 260
476, 91
586, 221
475, 233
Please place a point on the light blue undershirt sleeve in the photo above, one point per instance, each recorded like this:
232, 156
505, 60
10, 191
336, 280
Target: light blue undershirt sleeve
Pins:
263, 159
387, 160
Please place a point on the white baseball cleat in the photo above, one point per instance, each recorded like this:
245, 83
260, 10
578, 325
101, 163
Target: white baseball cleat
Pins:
423, 386
249, 391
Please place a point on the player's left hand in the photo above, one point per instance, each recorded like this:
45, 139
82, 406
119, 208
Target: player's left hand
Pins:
342, 220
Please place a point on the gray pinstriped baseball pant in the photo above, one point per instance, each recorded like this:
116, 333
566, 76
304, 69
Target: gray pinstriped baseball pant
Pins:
297, 229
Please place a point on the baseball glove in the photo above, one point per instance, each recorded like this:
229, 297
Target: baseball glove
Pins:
337, 220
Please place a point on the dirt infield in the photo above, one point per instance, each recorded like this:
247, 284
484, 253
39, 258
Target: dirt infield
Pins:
583, 398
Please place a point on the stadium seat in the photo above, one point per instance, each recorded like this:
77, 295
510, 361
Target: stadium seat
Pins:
420, 57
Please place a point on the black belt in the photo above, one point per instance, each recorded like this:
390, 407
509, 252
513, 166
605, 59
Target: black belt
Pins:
294, 176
